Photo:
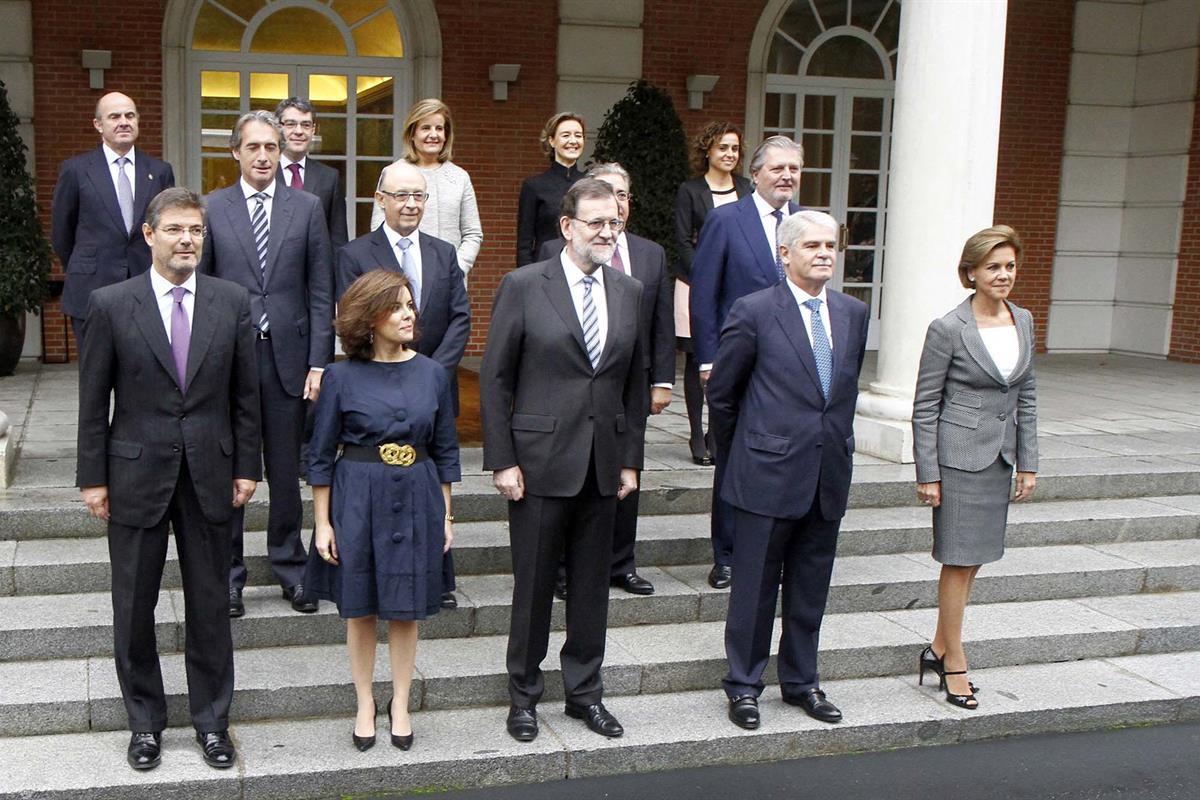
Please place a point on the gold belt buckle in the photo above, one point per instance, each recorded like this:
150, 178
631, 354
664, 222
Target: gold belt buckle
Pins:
397, 455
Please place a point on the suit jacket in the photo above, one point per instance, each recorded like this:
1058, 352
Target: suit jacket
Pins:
325, 182
965, 413
543, 406
777, 434
297, 289
656, 320
692, 204
733, 258
86, 227
213, 418
445, 311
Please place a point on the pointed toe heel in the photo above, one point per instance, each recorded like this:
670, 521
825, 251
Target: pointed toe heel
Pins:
402, 742
365, 743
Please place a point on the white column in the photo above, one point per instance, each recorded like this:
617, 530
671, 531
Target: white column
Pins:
946, 124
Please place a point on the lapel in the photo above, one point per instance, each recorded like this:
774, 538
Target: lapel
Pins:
204, 324
430, 272
149, 321
839, 323
282, 206
101, 178
614, 298
1024, 344
382, 253
756, 239
143, 185
559, 295
239, 222
973, 342
787, 313
706, 198
637, 264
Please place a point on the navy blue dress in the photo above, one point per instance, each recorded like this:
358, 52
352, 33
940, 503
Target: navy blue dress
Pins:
389, 521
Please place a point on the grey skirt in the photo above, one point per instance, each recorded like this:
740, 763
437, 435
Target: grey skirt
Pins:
968, 527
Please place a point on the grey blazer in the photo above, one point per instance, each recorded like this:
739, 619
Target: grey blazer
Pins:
964, 411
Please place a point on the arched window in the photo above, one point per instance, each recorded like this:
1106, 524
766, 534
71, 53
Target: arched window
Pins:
345, 56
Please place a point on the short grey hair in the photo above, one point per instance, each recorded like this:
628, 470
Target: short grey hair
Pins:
610, 168
794, 228
781, 142
259, 115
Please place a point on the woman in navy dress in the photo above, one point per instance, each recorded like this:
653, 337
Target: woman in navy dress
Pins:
381, 507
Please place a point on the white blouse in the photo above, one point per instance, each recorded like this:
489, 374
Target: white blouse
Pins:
1003, 346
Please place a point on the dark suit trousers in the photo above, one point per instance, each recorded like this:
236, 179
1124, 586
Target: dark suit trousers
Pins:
800, 552
77, 328
721, 520
137, 556
540, 530
625, 535
282, 431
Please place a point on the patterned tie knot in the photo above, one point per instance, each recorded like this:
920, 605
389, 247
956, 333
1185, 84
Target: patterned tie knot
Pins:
122, 161
778, 215
588, 280
178, 293
404, 243
814, 305
261, 197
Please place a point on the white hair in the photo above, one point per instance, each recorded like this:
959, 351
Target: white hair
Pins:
793, 228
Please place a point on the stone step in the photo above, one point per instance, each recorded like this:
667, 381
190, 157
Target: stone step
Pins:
287, 682
52, 513
71, 565
71, 625
468, 748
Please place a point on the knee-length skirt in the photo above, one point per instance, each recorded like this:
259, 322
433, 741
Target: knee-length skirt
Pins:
969, 525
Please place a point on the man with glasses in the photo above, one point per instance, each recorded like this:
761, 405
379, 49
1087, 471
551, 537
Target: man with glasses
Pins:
431, 265
297, 171
563, 399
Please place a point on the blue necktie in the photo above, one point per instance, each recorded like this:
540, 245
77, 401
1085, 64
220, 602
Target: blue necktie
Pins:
410, 272
778, 215
822, 352
591, 324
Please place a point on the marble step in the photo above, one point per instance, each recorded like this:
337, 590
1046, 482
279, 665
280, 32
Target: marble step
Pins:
71, 565
76, 694
468, 748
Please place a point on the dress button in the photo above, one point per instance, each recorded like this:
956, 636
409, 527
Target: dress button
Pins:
174, 448
1001, 417
1003, 390
397, 537
397, 507
401, 415
396, 475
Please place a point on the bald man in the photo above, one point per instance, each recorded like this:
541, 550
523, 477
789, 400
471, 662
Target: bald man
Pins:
98, 208
432, 266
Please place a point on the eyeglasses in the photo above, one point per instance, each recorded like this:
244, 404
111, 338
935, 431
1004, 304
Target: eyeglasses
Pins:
596, 225
306, 125
402, 197
624, 196
176, 231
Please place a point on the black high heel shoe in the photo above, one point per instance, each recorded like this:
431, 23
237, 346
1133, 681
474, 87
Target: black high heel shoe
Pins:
403, 742
365, 743
966, 701
930, 661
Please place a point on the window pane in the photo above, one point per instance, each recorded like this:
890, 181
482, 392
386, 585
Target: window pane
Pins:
218, 172
861, 292
374, 137
328, 93
864, 152
818, 112
362, 218
864, 191
244, 8
784, 59
267, 89
798, 23
354, 10
859, 266
374, 95
331, 136
220, 90
215, 130
888, 31
846, 57
379, 36
865, 13
818, 149
216, 30
814, 189
366, 175
298, 30
868, 114
862, 227
833, 12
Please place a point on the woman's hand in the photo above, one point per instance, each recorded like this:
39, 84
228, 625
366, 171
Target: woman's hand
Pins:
1026, 483
930, 493
326, 543
449, 535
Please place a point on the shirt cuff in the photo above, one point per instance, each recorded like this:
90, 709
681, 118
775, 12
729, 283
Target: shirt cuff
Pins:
316, 369
705, 368
663, 385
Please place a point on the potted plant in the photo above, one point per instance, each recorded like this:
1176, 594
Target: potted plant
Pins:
643, 133
24, 253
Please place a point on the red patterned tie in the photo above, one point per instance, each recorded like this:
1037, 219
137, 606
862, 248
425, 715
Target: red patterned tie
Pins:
297, 181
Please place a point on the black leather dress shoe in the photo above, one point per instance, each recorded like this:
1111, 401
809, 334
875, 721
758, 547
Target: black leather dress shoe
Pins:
145, 750
560, 587
720, 576
449, 600
815, 705
299, 600
743, 711
236, 607
522, 724
597, 718
703, 461
219, 751
633, 583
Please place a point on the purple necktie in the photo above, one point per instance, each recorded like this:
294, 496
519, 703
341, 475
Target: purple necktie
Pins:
297, 179
181, 335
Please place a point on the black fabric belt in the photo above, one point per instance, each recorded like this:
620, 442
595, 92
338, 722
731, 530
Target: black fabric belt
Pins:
393, 453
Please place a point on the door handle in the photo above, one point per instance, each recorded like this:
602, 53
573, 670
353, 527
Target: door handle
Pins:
843, 237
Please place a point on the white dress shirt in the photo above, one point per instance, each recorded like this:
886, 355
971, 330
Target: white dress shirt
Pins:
1003, 346
284, 161
766, 217
249, 192
166, 301
575, 276
414, 255
111, 157
801, 298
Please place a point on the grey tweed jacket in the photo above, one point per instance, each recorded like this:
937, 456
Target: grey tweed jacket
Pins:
964, 411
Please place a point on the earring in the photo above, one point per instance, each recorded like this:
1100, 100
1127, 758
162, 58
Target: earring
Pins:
971, 278
371, 337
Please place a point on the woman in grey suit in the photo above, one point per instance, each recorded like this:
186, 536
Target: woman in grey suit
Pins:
974, 420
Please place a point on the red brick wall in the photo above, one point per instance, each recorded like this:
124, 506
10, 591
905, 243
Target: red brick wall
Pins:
1033, 114
1185, 326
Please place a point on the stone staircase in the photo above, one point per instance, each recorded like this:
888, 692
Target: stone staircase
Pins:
1092, 619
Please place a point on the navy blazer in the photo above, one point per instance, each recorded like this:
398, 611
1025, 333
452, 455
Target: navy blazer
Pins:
733, 258
776, 433
657, 315
444, 319
297, 290
86, 227
324, 181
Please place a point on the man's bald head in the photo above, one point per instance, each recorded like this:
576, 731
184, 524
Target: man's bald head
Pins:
402, 214
117, 121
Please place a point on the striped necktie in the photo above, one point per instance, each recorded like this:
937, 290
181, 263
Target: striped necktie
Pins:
262, 235
591, 324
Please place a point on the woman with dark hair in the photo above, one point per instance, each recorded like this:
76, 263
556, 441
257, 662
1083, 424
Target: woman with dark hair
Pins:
974, 421
541, 197
716, 157
382, 506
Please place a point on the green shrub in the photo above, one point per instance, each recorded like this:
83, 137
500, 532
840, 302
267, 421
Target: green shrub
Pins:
24, 253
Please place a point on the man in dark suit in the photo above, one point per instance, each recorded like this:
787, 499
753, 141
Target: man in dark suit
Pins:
782, 394
273, 241
432, 269
99, 202
563, 403
177, 349
647, 262
736, 255
298, 171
